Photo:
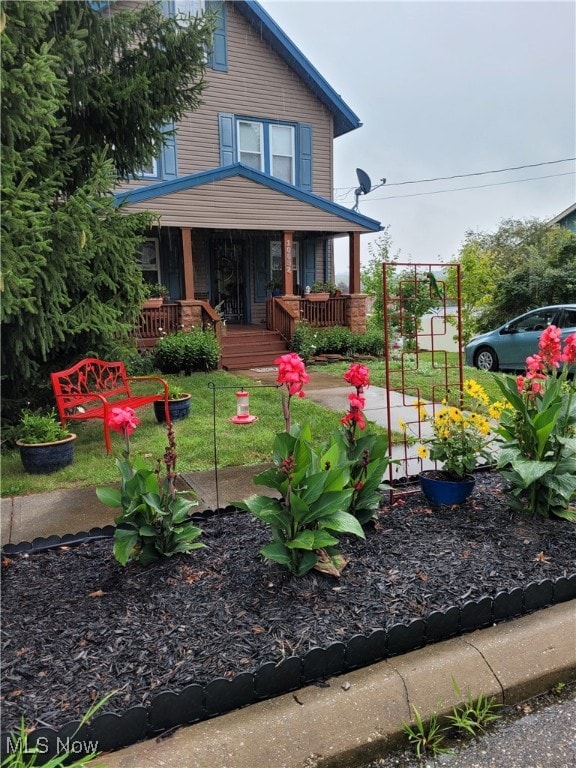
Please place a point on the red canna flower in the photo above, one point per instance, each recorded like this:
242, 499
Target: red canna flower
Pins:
569, 354
358, 376
123, 420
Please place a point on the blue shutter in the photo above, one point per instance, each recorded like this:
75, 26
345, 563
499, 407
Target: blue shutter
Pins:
309, 265
219, 55
169, 168
305, 157
227, 139
261, 269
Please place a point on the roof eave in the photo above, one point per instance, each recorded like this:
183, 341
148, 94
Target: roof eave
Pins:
163, 188
345, 120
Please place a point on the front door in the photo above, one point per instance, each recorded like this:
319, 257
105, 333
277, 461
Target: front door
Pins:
228, 279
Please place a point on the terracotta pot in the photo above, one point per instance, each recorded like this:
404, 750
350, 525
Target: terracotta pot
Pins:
443, 491
154, 302
318, 296
44, 458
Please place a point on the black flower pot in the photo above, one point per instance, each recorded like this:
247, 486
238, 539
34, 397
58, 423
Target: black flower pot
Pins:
179, 409
439, 490
44, 458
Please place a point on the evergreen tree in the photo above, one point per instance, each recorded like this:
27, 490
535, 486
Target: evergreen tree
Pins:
86, 98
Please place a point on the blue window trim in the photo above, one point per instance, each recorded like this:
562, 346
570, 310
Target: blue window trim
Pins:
218, 56
166, 161
229, 151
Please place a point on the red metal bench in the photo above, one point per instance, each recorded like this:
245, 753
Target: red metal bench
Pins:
92, 387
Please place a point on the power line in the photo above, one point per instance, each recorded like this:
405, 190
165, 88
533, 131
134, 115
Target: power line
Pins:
476, 186
465, 175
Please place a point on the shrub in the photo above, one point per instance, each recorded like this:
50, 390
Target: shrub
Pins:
187, 351
337, 340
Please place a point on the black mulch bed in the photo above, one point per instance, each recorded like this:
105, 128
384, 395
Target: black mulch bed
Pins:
76, 625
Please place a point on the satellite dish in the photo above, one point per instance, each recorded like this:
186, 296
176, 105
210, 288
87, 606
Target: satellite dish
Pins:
364, 181
365, 185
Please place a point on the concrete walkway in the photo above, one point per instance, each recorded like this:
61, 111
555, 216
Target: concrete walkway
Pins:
358, 715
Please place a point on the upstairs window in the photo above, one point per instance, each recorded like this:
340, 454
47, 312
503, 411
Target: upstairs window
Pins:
280, 149
162, 167
251, 144
217, 58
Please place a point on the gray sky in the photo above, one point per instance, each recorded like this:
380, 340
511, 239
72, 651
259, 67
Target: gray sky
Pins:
446, 88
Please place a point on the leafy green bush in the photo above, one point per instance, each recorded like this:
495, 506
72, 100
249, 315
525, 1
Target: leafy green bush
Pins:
187, 351
38, 427
337, 340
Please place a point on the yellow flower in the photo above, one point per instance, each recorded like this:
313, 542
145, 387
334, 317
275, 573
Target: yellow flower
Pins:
422, 452
476, 391
402, 425
496, 408
419, 405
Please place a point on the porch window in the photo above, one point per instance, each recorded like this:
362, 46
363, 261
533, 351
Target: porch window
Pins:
250, 143
149, 261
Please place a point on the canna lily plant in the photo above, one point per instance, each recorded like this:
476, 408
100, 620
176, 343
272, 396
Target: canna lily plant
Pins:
154, 521
314, 486
538, 430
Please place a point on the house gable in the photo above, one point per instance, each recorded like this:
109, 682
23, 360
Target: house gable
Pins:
251, 200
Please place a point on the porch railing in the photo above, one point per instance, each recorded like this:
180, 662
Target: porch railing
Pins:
282, 317
324, 313
154, 322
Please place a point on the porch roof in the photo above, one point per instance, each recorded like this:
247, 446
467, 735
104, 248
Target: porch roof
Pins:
338, 218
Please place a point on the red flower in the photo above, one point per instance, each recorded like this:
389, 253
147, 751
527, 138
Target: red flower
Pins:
123, 420
292, 373
569, 354
354, 417
356, 401
358, 376
549, 345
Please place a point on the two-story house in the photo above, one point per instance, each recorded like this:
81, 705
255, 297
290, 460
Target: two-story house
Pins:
244, 189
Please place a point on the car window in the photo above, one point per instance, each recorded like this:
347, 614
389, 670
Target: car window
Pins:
535, 321
568, 319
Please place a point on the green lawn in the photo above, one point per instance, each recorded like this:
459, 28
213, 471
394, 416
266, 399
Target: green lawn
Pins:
236, 445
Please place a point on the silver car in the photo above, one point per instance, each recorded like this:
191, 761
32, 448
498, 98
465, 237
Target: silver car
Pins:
507, 348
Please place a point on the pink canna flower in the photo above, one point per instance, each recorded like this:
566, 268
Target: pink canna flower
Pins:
358, 376
292, 373
550, 346
123, 420
569, 354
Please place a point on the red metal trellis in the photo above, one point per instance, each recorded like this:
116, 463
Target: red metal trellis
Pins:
405, 339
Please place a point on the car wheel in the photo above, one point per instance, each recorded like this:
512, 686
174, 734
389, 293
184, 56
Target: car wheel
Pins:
486, 359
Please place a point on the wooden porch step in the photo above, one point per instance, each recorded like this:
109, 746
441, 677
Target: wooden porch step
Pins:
244, 347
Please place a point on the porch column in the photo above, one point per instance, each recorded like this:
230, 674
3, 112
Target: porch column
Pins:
354, 262
287, 274
187, 265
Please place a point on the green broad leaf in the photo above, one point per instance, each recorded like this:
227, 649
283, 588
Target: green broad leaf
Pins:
343, 522
308, 561
338, 478
333, 457
304, 540
149, 554
153, 501
530, 471
283, 447
566, 514
125, 539
323, 539
314, 487
564, 485
187, 546
327, 505
260, 504
304, 431
277, 552
507, 456
147, 530
510, 391
568, 442
544, 423
180, 509
298, 507
109, 496
272, 478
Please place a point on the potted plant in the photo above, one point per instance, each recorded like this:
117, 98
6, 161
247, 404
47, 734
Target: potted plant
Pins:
45, 445
155, 295
319, 292
178, 404
459, 439
274, 287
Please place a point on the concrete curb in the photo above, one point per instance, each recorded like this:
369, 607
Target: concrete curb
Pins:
359, 715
